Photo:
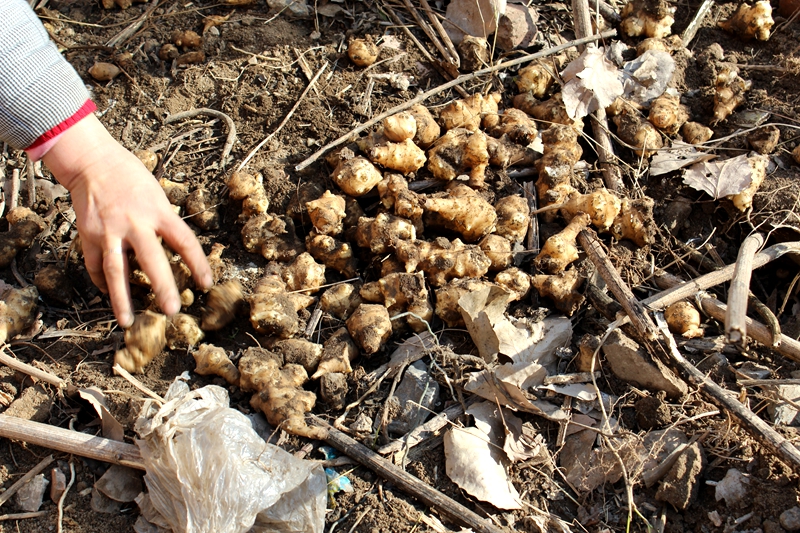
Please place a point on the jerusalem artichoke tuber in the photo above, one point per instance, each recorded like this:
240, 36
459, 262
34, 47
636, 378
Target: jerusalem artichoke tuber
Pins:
457, 152
183, 331
462, 210
683, 318
213, 361
144, 340
356, 176
560, 250
222, 304
443, 260
370, 327
750, 21
561, 288
650, 18
17, 310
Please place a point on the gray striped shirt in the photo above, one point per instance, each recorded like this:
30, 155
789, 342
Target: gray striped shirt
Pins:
39, 89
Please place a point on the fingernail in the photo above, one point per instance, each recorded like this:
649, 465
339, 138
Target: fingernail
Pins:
172, 306
207, 282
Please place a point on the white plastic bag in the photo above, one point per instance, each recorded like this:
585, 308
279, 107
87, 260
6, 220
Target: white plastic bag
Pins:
209, 472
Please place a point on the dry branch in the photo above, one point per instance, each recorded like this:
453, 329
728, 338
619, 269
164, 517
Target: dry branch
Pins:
690, 288
458, 81
739, 292
132, 28
640, 320
19, 366
64, 440
5, 496
405, 481
729, 401
697, 21
226, 149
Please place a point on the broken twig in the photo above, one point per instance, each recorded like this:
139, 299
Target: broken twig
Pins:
44, 463
19, 366
228, 146
738, 294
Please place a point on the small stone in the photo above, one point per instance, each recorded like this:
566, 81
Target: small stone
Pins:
517, 27
771, 526
475, 17
754, 370
631, 363
416, 395
362, 424
790, 519
296, 7
764, 140
58, 484
120, 483
732, 488
33, 404
333, 389
29, 497
681, 484
783, 413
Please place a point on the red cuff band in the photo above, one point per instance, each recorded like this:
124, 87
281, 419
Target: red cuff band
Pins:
87, 108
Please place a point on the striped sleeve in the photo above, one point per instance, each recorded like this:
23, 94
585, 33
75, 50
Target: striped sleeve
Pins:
39, 89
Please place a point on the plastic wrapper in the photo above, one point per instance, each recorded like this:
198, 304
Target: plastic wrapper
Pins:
209, 472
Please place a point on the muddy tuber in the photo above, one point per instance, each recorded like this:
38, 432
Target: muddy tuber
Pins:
729, 92
24, 226
560, 250
143, 341
17, 310
338, 354
273, 310
513, 218
471, 112
370, 327
649, 18
222, 304
332, 253
250, 190
299, 352
668, 114
460, 151
561, 288
214, 361
498, 250
397, 128
384, 232
340, 300
515, 281
683, 318
356, 176
362, 52
750, 21
183, 331
443, 260
402, 156
462, 210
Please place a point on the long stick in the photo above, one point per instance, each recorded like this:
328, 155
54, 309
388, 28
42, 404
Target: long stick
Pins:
729, 401
458, 81
739, 292
64, 440
690, 288
405, 481
19, 366
640, 320
5, 496
691, 29
286, 118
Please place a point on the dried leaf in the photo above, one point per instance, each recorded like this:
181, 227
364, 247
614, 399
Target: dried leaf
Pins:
581, 391
329, 10
112, 429
592, 82
720, 178
680, 155
474, 461
523, 442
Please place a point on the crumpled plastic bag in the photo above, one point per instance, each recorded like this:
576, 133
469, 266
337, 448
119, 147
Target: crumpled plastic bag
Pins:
209, 472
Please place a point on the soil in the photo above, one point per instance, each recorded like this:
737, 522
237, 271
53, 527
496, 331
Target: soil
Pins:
256, 66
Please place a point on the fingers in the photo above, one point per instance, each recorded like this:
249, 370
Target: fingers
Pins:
115, 269
93, 258
154, 263
182, 240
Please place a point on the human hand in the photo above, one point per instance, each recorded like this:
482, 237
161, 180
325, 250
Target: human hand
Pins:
119, 206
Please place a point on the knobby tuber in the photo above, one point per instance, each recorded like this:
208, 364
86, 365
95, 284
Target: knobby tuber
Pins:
447, 297
327, 213
462, 210
729, 92
696, 133
214, 361
560, 250
395, 195
17, 311
176, 192
338, 354
637, 132
683, 318
370, 326
201, 209
273, 310
101, 71
384, 232
299, 352
513, 218
550, 111
750, 21
53, 282
356, 176
332, 253
668, 114
516, 125
402, 156
460, 151
471, 112
340, 300
635, 221
143, 341
427, 128
304, 274
538, 77
443, 260
183, 331
255, 369
650, 18
498, 250
402, 292
273, 237
561, 288
362, 52
515, 281
221, 305
473, 52
764, 140
250, 190
24, 226
602, 206
284, 402
561, 152
397, 128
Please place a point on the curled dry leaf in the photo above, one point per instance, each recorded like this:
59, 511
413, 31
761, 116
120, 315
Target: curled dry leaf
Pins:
679, 156
720, 178
592, 82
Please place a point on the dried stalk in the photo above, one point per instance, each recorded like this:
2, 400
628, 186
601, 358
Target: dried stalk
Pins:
286, 118
640, 320
697, 21
739, 292
405, 481
458, 81
19, 366
729, 401
228, 146
769, 317
429, 32
132, 28
452, 56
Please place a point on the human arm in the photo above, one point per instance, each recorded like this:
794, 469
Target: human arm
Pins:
44, 108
